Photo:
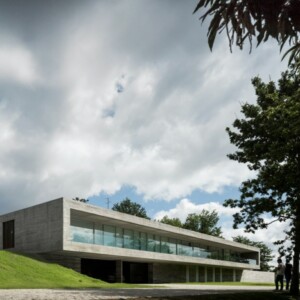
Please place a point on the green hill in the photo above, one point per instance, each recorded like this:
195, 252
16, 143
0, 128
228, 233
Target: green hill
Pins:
19, 271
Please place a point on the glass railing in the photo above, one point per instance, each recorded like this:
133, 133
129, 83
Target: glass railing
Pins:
113, 236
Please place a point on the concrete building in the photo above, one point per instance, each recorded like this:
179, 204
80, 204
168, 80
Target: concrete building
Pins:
117, 247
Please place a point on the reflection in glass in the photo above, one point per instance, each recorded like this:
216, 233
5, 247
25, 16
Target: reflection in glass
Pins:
128, 239
164, 245
107, 235
99, 234
82, 231
119, 237
172, 246
136, 240
150, 242
143, 240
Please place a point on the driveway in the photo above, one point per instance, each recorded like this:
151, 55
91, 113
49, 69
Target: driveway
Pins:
165, 290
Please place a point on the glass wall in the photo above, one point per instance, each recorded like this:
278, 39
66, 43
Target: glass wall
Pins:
83, 232
128, 239
114, 236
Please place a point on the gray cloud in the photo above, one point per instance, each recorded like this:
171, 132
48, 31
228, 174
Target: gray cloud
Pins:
99, 94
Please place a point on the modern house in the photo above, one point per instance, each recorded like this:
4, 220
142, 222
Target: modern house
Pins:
117, 247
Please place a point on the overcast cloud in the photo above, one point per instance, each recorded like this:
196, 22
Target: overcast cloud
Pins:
95, 95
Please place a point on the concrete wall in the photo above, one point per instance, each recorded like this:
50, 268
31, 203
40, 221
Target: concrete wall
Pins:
38, 228
257, 276
70, 262
163, 273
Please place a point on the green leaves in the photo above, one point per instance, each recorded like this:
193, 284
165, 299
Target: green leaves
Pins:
171, 221
268, 141
245, 20
265, 252
204, 222
213, 29
129, 207
294, 53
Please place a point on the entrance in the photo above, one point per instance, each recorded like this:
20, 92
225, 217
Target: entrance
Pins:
100, 269
8, 234
135, 272
106, 270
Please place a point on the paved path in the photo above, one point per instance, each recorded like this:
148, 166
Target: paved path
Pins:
99, 294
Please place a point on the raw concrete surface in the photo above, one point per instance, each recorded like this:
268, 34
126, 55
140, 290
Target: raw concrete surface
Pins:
166, 290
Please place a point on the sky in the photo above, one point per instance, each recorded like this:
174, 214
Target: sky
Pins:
111, 99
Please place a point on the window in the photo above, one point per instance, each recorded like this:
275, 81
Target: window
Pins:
143, 241
137, 240
82, 231
85, 231
109, 235
172, 246
9, 234
98, 234
119, 237
164, 245
150, 242
128, 239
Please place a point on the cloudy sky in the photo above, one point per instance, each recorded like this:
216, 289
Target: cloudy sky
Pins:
108, 99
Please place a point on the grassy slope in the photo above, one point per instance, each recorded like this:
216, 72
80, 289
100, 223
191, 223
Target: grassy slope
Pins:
18, 271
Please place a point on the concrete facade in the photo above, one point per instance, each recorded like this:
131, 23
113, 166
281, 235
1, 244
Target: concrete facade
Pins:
252, 276
78, 235
38, 229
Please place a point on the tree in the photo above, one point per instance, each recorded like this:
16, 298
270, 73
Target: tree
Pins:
205, 222
171, 221
268, 141
265, 252
251, 19
132, 208
80, 200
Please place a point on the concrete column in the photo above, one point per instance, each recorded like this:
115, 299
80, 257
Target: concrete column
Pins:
205, 274
197, 273
234, 275
119, 271
221, 275
214, 274
187, 273
150, 273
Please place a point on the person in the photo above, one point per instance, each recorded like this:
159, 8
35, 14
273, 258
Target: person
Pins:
288, 273
279, 274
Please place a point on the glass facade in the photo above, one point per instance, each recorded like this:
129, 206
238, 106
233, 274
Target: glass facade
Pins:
114, 236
